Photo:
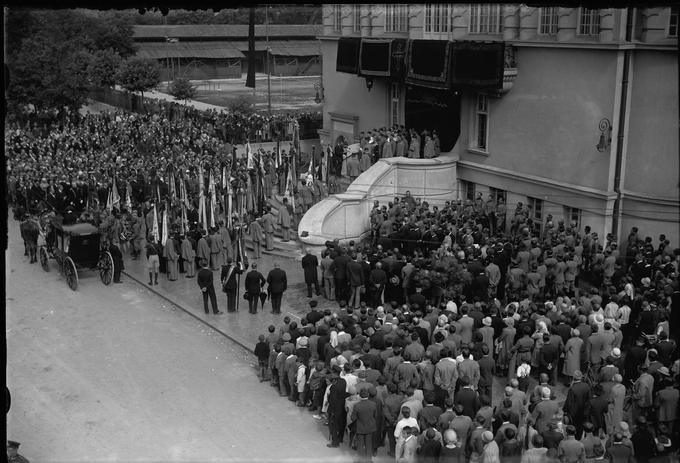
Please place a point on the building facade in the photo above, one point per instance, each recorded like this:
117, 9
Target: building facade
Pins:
583, 127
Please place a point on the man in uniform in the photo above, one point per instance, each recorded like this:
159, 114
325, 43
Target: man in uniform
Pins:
285, 220
277, 284
13, 453
268, 225
230, 283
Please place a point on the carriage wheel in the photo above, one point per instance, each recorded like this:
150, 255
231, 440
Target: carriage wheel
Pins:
44, 259
71, 273
106, 267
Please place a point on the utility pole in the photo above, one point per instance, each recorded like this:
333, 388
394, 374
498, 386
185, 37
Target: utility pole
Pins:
269, 76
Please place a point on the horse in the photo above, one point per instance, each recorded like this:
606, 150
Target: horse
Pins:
30, 230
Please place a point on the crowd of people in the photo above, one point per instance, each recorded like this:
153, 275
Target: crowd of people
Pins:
454, 343
437, 307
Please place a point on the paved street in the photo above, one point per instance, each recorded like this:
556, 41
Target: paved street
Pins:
117, 373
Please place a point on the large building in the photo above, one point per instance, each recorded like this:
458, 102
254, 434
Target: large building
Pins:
219, 51
573, 111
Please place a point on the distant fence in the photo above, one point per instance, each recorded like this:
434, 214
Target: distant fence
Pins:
309, 124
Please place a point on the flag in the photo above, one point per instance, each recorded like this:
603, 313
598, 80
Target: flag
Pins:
128, 200
164, 236
115, 197
171, 187
225, 178
158, 192
250, 79
213, 199
230, 204
240, 257
185, 225
290, 185
154, 229
109, 203
250, 156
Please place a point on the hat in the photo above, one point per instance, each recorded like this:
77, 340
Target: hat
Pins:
624, 429
578, 375
616, 353
599, 318
664, 371
486, 321
545, 392
13, 444
286, 336
302, 341
509, 321
362, 374
646, 281
508, 391
576, 333
487, 437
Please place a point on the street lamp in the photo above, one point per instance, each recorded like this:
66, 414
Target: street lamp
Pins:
369, 83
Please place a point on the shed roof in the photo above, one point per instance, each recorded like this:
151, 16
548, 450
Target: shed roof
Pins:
295, 48
213, 50
224, 30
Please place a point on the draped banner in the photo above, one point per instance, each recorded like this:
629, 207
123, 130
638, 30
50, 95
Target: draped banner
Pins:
374, 57
477, 64
398, 59
164, 233
348, 55
428, 63
154, 228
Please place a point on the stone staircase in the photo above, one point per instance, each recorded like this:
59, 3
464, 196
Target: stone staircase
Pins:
290, 249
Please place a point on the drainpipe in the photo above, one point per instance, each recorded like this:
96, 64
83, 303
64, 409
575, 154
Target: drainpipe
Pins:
622, 119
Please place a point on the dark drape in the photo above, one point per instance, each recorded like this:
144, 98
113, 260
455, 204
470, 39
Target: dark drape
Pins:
428, 63
477, 64
348, 55
374, 57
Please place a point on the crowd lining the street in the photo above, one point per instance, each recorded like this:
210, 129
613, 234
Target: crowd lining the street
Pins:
435, 307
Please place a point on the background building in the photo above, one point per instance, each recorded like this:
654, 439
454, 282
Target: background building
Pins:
583, 125
218, 51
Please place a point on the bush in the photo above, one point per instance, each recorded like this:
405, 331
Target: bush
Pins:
243, 105
182, 89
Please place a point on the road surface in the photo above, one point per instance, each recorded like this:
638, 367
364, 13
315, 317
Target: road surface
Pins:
117, 374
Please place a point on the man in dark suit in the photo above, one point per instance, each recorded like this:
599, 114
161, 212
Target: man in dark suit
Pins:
339, 270
365, 413
277, 284
548, 357
468, 398
337, 415
309, 265
205, 282
576, 406
487, 366
230, 283
254, 283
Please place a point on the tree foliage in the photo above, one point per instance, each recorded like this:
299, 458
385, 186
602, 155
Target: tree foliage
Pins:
243, 105
277, 14
182, 89
51, 55
138, 75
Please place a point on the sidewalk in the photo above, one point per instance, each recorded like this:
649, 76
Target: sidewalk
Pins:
241, 327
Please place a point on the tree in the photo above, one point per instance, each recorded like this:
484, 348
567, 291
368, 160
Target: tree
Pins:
138, 75
242, 105
182, 89
51, 53
103, 67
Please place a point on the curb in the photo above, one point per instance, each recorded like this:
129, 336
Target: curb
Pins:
183, 309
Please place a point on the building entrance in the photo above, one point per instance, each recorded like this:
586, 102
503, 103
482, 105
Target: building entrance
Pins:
430, 109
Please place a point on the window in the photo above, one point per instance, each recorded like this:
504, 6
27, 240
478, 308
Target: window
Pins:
395, 103
536, 208
547, 20
396, 18
497, 194
438, 17
673, 22
337, 17
356, 15
588, 21
482, 122
485, 19
468, 190
572, 215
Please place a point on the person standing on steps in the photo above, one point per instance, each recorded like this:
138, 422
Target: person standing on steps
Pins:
230, 283
254, 283
310, 264
257, 236
268, 225
152, 260
285, 220
189, 256
277, 284
205, 282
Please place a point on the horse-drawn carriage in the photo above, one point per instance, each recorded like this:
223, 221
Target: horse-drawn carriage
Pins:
75, 247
